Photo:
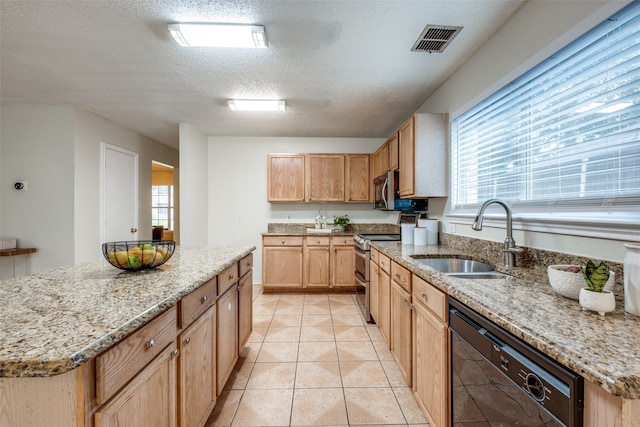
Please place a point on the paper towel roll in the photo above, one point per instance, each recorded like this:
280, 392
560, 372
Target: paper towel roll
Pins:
432, 230
407, 233
420, 236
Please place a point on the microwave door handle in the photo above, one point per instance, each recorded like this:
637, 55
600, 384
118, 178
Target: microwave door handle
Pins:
384, 193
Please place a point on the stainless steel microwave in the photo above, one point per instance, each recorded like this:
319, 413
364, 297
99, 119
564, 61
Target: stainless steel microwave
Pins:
385, 190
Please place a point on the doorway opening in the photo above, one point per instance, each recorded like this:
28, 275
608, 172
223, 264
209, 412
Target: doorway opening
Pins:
162, 201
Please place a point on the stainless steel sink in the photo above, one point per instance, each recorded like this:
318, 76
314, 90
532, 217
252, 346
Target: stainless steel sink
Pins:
482, 275
456, 265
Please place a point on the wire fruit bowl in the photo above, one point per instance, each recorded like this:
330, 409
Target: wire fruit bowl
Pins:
136, 255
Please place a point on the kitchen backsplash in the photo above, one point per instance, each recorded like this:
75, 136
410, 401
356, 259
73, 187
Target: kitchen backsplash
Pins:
350, 228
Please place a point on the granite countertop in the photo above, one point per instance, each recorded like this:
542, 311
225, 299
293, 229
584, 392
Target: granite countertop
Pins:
54, 321
603, 349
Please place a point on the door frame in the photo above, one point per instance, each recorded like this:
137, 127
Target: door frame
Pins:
103, 157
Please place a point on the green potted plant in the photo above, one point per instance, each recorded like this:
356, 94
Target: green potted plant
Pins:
340, 222
594, 297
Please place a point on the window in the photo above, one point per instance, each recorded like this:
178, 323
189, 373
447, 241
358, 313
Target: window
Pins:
162, 206
565, 136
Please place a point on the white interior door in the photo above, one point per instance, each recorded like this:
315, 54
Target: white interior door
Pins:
119, 194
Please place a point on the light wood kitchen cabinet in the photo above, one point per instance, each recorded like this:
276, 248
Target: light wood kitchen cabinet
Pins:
392, 144
197, 379
226, 334
282, 262
380, 161
148, 400
285, 178
431, 352
245, 301
342, 262
325, 178
317, 261
423, 156
401, 308
384, 298
358, 181
374, 288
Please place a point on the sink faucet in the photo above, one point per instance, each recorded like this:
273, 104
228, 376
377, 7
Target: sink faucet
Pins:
510, 248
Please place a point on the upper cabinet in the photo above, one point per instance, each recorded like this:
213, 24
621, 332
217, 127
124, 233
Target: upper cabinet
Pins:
319, 178
285, 178
423, 156
380, 163
392, 148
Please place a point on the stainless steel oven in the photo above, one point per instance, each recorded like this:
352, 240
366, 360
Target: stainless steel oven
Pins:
499, 380
362, 252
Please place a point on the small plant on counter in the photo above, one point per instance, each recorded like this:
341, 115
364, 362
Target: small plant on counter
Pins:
596, 277
341, 221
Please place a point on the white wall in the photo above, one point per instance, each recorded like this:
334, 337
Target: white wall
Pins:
536, 31
194, 193
238, 207
56, 149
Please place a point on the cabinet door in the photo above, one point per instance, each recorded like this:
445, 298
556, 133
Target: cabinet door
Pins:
325, 178
285, 178
431, 363
197, 370
358, 179
384, 301
226, 336
245, 309
406, 158
401, 329
392, 143
374, 291
316, 266
148, 400
282, 266
343, 267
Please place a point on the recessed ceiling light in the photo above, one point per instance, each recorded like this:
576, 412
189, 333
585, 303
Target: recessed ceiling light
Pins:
257, 105
219, 35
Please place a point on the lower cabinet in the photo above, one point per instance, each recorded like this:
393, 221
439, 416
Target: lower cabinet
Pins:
148, 400
401, 338
342, 262
197, 379
282, 262
384, 303
316, 261
374, 290
245, 309
226, 336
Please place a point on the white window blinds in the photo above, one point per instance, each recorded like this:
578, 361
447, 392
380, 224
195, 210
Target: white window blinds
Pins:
566, 133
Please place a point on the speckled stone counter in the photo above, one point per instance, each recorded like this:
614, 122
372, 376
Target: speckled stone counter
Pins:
54, 321
290, 229
603, 349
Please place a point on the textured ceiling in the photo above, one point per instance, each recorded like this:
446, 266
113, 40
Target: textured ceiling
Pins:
344, 67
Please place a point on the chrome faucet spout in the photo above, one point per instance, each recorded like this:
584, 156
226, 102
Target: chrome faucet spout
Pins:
510, 248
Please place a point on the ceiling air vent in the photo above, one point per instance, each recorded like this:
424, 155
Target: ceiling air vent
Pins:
435, 38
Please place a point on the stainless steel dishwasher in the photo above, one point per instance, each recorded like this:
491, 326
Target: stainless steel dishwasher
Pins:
499, 380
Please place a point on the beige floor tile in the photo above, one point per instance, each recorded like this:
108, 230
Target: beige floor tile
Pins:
394, 374
282, 334
412, 412
261, 321
316, 320
316, 333
363, 374
345, 309
317, 351
374, 333
341, 299
346, 320
278, 352
225, 409
265, 298
288, 309
264, 408
353, 351
257, 335
316, 309
318, 375
316, 299
250, 352
351, 333
383, 350
272, 376
372, 406
294, 299
264, 309
239, 376
286, 320
319, 407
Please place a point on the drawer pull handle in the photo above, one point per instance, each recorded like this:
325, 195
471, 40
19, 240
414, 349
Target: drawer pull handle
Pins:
187, 340
283, 242
204, 299
422, 294
231, 277
151, 343
175, 352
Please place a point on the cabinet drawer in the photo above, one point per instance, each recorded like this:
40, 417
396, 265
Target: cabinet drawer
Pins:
401, 276
342, 241
245, 264
116, 366
431, 297
317, 240
197, 302
282, 240
384, 262
375, 256
227, 278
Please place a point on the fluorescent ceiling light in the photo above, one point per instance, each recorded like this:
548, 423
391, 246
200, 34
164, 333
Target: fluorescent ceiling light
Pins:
616, 107
219, 35
257, 105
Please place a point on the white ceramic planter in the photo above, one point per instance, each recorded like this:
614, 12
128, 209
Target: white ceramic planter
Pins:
632, 280
602, 302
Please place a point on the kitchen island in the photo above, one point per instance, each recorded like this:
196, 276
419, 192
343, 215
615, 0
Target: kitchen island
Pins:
602, 349
55, 324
